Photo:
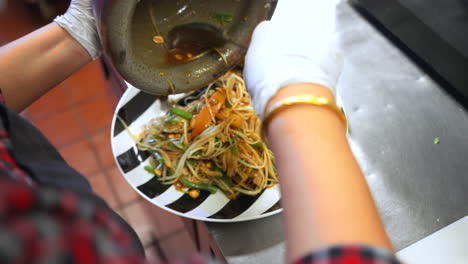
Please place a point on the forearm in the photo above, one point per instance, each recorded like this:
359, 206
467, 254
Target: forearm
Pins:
325, 195
37, 62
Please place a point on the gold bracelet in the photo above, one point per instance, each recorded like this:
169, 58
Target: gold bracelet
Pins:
301, 99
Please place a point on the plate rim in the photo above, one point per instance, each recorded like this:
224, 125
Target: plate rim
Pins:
122, 174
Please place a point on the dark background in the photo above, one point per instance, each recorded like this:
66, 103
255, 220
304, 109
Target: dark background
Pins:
433, 33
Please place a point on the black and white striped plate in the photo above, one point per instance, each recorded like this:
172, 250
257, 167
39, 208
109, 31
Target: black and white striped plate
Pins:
136, 109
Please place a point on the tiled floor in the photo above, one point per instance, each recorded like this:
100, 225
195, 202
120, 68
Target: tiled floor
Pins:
76, 117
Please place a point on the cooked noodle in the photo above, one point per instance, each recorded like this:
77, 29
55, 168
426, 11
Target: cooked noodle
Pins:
228, 154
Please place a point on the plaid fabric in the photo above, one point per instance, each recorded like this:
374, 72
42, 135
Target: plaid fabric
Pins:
350, 255
47, 225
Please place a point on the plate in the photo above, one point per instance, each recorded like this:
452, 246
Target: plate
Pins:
137, 108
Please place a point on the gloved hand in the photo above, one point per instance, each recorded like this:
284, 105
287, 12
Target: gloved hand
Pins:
80, 22
296, 46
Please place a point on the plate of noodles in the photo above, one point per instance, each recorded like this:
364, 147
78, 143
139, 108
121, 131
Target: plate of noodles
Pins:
198, 155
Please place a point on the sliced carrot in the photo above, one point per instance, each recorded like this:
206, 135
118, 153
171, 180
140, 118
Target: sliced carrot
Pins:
212, 107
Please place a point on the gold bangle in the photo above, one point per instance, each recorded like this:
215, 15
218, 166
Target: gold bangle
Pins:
301, 99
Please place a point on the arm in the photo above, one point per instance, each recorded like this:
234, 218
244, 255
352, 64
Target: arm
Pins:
324, 194
35, 63
325, 197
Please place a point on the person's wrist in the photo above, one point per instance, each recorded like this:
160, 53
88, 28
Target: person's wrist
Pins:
308, 116
304, 120
301, 89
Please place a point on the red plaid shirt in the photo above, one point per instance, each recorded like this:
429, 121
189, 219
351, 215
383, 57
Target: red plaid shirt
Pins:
349, 255
44, 224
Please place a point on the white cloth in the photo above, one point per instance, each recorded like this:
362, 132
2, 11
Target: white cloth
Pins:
80, 22
296, 46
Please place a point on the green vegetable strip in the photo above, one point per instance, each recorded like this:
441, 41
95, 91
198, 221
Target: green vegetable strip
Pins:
181, 113
226, 179
171, 120
157, 157
149, 169
199, 186
179, 146
257, 145
223, 176
170, 171
235, 149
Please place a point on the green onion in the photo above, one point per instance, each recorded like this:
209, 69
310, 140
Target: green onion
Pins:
161, 138
172, 119
157, 157
200, 186
170, 171
222, 17
220, 175
149, 169
179, 146
191, 162
235, 149
257, 144
226, 179
181, 113
223, 176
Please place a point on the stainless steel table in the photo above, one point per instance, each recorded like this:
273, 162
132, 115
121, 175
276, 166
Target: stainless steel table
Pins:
395, 111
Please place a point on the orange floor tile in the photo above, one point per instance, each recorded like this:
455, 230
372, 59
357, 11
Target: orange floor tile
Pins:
56, 100
96, 113
61, 127
100, 184
88, 83
125, 192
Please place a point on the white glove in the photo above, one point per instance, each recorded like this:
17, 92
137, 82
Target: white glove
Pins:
80, 22
296, 46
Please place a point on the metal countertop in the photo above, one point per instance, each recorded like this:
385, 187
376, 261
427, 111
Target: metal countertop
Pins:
395, 112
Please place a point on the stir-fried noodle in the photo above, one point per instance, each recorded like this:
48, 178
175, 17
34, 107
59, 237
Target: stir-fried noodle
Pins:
211, 143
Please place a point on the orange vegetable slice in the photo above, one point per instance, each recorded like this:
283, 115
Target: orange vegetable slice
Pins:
203, 119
